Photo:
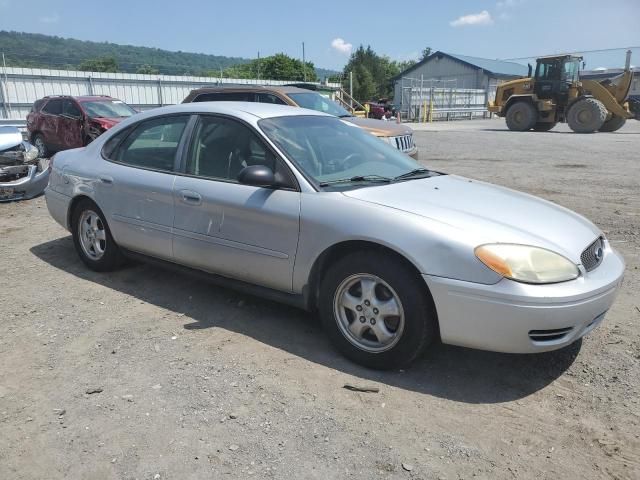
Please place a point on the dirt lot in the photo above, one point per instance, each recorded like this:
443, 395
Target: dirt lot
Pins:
194, 381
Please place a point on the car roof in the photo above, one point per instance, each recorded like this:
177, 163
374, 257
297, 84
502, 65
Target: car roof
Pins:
252, 88
243, 110
81, 98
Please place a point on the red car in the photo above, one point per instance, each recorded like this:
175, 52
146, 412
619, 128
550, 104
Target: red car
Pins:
61, 122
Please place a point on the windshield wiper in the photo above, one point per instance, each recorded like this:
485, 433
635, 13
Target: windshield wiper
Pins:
418, 172
358, 178
347, 115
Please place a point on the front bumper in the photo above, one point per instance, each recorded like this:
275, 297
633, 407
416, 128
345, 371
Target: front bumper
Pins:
29, 186
514, 317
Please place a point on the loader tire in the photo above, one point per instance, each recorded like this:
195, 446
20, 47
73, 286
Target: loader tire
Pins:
587, 115
544, 126
613, 124
521, 116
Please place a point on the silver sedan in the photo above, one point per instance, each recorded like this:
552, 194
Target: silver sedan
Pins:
307, 209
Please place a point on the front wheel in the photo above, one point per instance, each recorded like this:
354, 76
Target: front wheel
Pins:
92, 238
39, 143
376, 310
586, 115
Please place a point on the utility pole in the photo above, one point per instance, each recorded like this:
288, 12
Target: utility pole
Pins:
304, 65
258, 64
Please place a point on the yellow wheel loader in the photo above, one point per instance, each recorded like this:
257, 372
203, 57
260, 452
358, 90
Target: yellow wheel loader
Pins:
555, 93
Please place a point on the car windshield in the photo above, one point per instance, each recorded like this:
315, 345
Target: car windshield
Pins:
335, 153
108, 109
315, 101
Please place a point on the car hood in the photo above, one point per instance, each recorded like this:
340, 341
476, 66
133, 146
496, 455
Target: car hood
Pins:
487, 213
380, 128
108, 122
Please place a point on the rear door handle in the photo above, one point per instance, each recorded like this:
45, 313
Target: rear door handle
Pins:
190, 196
106, 179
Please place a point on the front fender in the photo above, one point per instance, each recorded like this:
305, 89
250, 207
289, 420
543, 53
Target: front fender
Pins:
433, 247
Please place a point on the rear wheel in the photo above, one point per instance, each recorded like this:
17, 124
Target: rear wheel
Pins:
586, 115
544, 126
376, 311
521, 116
92, 238
38, 142
613, 124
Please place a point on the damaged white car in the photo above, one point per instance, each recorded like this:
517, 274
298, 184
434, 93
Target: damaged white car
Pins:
22, 174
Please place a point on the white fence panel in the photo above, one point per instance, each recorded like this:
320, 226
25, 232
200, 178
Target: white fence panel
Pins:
20, 87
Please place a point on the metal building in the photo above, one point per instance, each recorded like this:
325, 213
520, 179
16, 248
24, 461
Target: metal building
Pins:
454, 73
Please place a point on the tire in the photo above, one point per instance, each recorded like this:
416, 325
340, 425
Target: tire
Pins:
39, 143
613, 124
381, 341
521, 116
587, 115
544, 126
93, 241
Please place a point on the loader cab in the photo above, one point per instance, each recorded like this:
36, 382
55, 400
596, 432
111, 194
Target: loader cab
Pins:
555, 75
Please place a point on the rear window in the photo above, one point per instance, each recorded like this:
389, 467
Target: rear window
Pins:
225, 97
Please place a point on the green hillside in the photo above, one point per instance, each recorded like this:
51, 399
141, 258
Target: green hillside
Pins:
45, 51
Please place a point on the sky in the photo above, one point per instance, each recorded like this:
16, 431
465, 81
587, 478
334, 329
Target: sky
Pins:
332, 29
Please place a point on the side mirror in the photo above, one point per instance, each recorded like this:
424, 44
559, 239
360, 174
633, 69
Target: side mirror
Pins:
257, 176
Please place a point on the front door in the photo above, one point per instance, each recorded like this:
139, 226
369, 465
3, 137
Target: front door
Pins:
240, 231
135, 188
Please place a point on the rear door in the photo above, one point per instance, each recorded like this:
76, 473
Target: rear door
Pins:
50, 116
240, 231
135, 188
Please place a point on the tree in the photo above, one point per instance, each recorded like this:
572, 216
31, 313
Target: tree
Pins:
147, 69
425, 53
102, 64
372, 74
275, 67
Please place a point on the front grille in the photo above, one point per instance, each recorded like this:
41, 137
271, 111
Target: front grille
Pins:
404, 143
592, 256
549, 335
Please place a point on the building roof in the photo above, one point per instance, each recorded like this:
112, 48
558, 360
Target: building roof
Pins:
492, 67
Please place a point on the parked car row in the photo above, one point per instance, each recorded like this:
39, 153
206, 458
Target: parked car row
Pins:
61, 122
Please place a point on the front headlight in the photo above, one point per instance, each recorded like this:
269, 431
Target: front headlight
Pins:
527, 264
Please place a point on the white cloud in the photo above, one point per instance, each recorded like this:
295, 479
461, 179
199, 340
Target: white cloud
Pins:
341, 46
482, 18
53, 18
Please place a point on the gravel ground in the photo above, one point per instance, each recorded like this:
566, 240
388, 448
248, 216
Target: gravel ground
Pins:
146, 374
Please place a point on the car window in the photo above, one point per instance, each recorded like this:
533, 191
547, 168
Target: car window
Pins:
53, 107
153, 144
37, 105
70, 108
270, 98
329, 149
221, 148
225, 97
315, 101
111, 144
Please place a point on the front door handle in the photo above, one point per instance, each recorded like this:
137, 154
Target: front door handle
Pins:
106, 179
192, 197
